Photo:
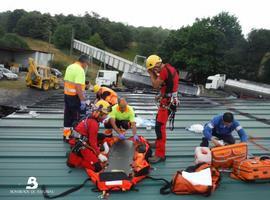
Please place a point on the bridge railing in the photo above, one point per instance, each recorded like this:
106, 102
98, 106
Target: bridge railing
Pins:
108, 58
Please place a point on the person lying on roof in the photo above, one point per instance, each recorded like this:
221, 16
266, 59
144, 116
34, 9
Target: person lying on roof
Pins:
106, 94
221, 128
85, 149
122, 117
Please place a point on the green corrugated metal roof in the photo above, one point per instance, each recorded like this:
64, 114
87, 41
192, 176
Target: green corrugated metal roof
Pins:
33, 147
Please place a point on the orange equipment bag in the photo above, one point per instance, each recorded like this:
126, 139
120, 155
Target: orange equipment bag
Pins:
256, 168
180, 185
223, 157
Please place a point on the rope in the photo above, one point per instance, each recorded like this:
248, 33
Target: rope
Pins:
69, 191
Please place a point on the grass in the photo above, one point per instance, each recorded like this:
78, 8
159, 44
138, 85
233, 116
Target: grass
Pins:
13, 84
40, 45
128, 53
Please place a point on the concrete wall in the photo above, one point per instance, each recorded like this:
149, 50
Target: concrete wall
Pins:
5, 56
43, 58
22, 57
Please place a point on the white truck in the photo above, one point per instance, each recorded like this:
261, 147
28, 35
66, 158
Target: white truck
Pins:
240, 87
215, 82
107, 78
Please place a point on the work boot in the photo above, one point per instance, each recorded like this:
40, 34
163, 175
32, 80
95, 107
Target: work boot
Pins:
156, 159
66, 134
152, 145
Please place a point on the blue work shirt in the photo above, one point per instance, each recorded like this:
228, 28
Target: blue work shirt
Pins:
217, 124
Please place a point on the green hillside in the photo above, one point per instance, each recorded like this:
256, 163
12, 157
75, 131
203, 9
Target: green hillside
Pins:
61, 57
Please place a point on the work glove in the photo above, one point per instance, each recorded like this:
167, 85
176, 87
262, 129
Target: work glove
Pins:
102, 158
83, 105
136, 138
106, 148
121, 137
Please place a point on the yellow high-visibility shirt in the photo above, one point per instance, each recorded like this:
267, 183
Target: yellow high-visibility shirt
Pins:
75, 74
118, 115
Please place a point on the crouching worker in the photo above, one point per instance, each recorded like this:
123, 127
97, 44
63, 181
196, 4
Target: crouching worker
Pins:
86, 152
121, 118
221, 128
106, 94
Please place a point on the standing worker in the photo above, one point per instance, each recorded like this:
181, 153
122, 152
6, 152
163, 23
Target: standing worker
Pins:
165, 78
75, 100
106, 94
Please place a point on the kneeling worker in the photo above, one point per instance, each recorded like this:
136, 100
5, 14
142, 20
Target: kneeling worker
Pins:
122, 117
221, 128
86, 152
106, 94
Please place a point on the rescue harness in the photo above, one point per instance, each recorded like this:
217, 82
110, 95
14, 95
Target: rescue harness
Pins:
170, 99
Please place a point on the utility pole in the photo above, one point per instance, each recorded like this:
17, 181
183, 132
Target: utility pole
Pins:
71, 43
49, 47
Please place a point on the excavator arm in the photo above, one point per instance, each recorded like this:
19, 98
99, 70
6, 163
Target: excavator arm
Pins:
32, 74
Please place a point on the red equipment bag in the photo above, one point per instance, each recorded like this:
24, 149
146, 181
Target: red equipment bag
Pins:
223, 157
252, 169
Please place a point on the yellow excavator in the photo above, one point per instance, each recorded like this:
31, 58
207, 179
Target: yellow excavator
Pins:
41, 77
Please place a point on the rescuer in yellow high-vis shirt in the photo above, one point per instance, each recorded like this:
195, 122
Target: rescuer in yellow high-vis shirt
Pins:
74, 86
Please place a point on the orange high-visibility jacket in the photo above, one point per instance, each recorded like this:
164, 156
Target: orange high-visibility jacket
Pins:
112, 98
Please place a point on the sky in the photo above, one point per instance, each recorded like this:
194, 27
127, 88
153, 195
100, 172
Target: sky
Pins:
171, 14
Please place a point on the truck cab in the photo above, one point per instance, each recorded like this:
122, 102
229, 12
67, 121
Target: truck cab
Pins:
215, 82
107, 78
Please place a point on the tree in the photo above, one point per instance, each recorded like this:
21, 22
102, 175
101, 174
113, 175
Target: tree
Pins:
195, 48
62, 36
233, 46
4, 19
2, 32
229, 26
13, 41
209, 46
13, 19
35, 25
258, 46
115, 35
149, 39
82, 30
117, 41
96, 41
